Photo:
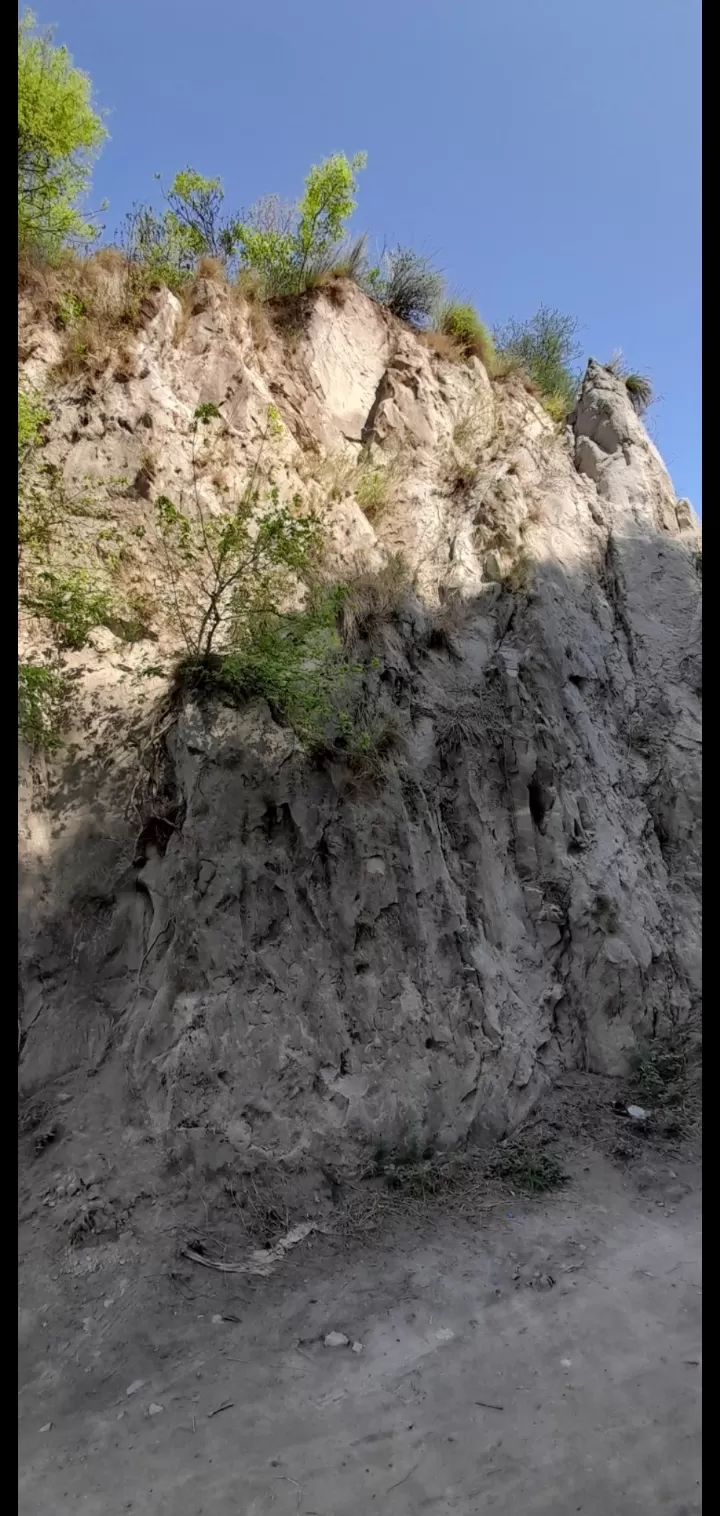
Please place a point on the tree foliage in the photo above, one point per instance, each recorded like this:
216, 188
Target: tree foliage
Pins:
283, 246
286, 245
229, 570
166, 245
41, 693
59, 135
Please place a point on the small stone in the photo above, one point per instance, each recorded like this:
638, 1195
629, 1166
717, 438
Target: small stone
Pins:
47, 1427
636, 1113
136, 1385
357, 1347
337, 1340
216, 1320
154, 1409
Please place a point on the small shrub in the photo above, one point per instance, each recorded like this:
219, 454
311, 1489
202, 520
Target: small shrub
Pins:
660, 1072
409, 286
32, 417
367, 736
372, 482
528, 1168
41, 694
228, 571
546, 349
69, 309
72, 603
472, 338
505, 364
295, 662
558, 405
519, 577
372, 491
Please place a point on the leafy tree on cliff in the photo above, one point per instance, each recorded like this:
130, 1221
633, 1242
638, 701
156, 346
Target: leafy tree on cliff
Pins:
59, 135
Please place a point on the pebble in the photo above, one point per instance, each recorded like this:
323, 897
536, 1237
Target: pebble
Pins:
337, 1340
136, 1385
154, 1409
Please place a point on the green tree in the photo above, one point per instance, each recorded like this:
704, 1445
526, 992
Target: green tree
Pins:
228, 571
286, 245
166, 245
59, 135
197, 218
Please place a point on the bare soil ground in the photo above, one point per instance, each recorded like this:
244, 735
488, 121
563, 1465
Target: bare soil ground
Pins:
519, 1354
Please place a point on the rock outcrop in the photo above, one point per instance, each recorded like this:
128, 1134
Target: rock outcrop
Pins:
294, 963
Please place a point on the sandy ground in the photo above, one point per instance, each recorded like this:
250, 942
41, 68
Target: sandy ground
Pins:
540, 1356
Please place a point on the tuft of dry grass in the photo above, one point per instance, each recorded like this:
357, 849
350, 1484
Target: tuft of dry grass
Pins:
519, 577
96, 303
441, 345
462, 455
372, 482
459, 726
370, 600
447, 622
210, 268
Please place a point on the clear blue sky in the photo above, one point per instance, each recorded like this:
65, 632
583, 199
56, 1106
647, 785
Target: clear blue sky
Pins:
542, 150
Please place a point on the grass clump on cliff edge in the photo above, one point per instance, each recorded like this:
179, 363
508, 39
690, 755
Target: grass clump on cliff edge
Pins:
639, 386
463, 325
408, 286
545, 347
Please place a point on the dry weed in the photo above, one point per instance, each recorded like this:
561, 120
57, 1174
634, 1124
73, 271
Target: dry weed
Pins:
373, 599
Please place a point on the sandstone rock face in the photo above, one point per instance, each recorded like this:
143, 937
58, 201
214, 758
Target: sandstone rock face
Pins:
295, 964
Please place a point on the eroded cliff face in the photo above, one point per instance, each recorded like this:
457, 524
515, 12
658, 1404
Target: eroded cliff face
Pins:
275, 961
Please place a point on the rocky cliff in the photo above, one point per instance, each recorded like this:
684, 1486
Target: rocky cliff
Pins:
235, 955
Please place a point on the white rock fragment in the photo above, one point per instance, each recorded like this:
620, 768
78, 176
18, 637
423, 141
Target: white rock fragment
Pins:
136, 1385
337, 1340
154, 1409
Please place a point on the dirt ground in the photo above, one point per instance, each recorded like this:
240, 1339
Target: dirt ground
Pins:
517, 1355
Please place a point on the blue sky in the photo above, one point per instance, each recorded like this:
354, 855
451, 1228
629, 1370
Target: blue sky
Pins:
544, 151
